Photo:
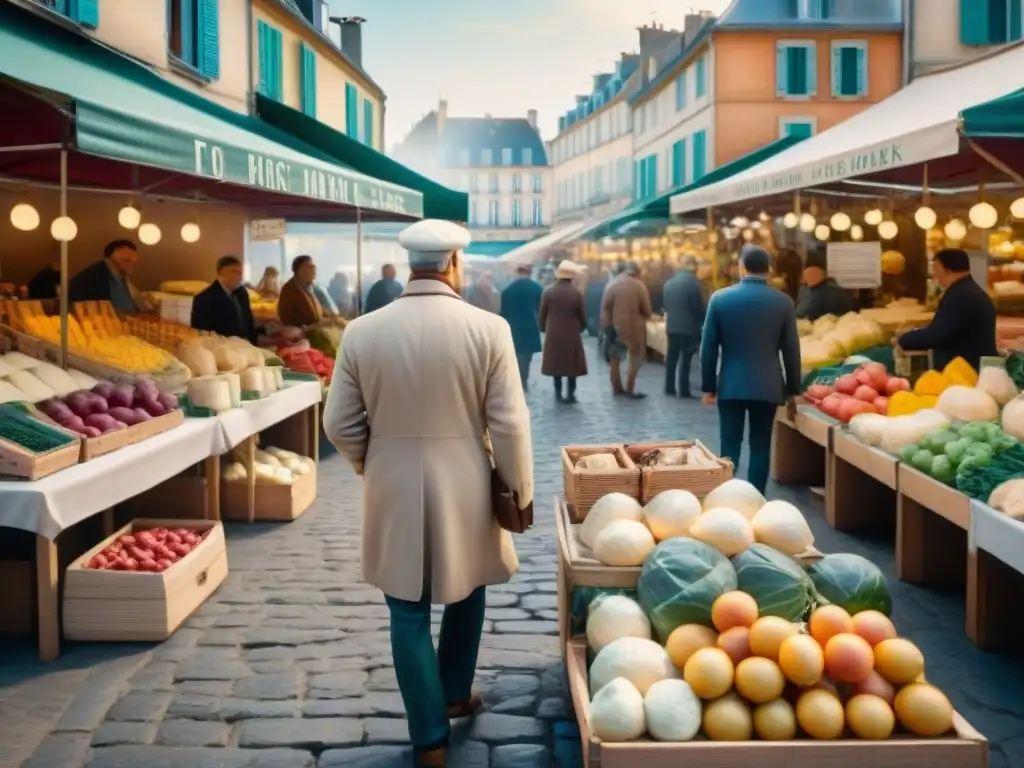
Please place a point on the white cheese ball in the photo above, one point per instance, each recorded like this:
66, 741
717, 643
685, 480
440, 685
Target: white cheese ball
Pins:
617, 712
611, 617
608, 509
673, 711
642, 662
671, 513
624, 543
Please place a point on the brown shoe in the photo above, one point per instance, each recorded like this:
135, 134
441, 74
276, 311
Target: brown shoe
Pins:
467, 708
433, 758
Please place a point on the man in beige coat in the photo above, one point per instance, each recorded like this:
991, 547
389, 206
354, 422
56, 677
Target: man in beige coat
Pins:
625, 309
416, 387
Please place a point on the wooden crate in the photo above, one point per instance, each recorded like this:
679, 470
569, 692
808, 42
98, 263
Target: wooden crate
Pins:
965, 748
144, 607
184, 497
698, 481
147, 429
583, 487
280, 503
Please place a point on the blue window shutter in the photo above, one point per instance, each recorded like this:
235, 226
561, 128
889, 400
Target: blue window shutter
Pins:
263, 53
368, 132
307, 78
782, 71
276, 64
974, 22
862, 71
837, 70
1015, 31
811, 60
187, 22
86, 12
207, 37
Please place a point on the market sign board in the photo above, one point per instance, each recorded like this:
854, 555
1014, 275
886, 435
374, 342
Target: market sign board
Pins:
267, 230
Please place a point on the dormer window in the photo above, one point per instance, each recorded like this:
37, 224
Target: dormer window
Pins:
506, 156
814, 9
486, 157
652, 69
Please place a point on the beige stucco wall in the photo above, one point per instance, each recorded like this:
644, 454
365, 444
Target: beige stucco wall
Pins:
936, 36
139, 29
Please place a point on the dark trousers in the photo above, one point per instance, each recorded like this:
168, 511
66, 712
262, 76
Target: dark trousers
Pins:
681, 349
570, 386
525, 361
732, 416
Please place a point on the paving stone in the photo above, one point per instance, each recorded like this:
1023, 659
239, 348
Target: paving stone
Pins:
60, 750
521, 756
465, 753
140, 707
263, 636
205, 687
113, 733
211, 670
511, 686
500, 729
534, 626
269, 687
337, 685
193, 733
539, 602
386, 730
368, 757
199, 757
383, 679
195, 707
517, 705
315, 734
555, 709
387, 704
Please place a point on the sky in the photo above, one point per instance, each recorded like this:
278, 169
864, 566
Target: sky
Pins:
502, 58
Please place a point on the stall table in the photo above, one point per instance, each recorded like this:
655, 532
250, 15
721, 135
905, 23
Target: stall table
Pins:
861, 491
932, 521
800, 446
995, 578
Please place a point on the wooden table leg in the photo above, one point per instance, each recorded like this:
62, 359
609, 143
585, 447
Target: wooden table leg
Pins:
992, 585
314, 432
211, 472
46, 588
930, 550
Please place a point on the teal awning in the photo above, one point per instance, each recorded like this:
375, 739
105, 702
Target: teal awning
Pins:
1001, 118
492, 248
648, 213
439, 202
123, 111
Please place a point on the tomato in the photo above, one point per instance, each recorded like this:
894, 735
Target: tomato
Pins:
126, 540
99, 561
130, 564
191, 538
148, 564
163, 565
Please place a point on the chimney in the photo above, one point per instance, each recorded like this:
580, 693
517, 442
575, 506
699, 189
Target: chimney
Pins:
352, 37
531, 118
693, 24
653, 39
442, 116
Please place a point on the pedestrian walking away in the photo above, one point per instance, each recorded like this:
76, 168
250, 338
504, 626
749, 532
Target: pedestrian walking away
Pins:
421, 420
384, 291
563, 317
685, 308
520, 306
749, 327
625, 309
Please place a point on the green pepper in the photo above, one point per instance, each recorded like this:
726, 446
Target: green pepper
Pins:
942, 469
957, 449
975, 431
922, 460
907, 454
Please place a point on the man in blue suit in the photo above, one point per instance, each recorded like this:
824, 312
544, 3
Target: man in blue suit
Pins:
520, 305
749, 326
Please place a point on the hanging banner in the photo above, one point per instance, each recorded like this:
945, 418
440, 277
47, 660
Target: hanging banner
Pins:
855, 265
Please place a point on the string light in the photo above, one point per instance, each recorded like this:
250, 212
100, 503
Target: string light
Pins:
24, 217
64, 229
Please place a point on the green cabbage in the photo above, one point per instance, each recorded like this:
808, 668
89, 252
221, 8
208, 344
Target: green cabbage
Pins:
851, 582
680, 580
780, 586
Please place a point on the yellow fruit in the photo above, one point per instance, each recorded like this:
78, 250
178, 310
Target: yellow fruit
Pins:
728, 719
767, 634
870, 717
924, 710
775, 721
759, 680
802, 660
820, 714
709, 672
899, 661
686, 641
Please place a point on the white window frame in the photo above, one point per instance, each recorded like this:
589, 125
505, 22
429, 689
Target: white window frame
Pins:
506, 156
785, 120
811, 46
860, 45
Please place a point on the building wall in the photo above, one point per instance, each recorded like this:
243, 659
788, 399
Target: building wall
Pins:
139, 29
476, 181
935, 37
332, 72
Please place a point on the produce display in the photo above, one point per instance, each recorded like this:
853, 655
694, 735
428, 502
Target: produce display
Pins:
830, 340
867, 390
327, 338
732, 638
24, 379
108, 407
165, 334
209, 354
150, 551
677, 456
308, 361
275, 466
28, 433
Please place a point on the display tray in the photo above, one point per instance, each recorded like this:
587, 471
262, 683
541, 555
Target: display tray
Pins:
92, 447
142, 607
965, 748
699, 481
873, 462
583, 487
280, 503
941, 499
147, 429
18, 463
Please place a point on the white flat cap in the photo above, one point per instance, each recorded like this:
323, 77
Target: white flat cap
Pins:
430, 242
567, 270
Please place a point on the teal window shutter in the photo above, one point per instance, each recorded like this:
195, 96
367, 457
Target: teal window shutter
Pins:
307, 75
652, 175
263, 51
796, 71
1015, 22
270, 55
207, 37
975, 18
351, 111
276, 64
811, 68
681, 91
837, 71
187, 23
678, 163
782, 71
85, 12
862, 71
701, 86
850, 85
368, 132
699, 154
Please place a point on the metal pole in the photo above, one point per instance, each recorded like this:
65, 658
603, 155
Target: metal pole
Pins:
359, 262
63, 262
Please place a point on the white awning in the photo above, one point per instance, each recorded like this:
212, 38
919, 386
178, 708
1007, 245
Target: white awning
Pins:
914, 125
531, 251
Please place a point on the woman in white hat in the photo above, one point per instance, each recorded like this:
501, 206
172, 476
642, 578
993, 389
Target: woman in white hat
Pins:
563, 318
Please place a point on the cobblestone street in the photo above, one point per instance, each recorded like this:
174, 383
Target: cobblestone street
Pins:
288, 665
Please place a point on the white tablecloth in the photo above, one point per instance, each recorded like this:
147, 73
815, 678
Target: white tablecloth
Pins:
57, 502
256, 415
996, 533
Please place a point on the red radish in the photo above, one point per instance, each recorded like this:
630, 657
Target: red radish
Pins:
865, 393
818, 391
863, 377
127, 540
130, 564
896, 384
847, 384
881, 404
831, 404
851, 407
878, 375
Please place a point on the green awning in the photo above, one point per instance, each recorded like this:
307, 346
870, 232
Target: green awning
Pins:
1001, 118
492, 248
125, 111
657, 208
439, 202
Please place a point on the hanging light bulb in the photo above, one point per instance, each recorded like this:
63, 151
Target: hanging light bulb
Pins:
840, 222
63, 229
790, 220
955, 230
149, 234
983, 215
190, 232
873, 217
129, 217
822, 232
887, 230
807, 223
748, 235
925, 217
856, 233
24, 217
740, 222
764, 216
1017, 208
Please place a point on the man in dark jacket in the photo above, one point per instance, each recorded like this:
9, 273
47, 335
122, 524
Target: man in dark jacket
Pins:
748, 327
520, 305
384, 291
45, 284
684, 318
223, 307
821, 295
108, 279
964, 324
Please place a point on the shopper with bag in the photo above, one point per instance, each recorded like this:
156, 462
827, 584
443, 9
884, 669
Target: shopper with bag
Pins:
435, 421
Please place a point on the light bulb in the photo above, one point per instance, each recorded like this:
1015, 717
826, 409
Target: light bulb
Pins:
190, 232
873, 217
807, 223
790, 220
983, 215
764, 216
748, 235
840, 222
24, 217
822, 232
856, 232
887, 230
129, 217
955, 230
925, 217
1017, 208
149, 234
63, 229
740, 222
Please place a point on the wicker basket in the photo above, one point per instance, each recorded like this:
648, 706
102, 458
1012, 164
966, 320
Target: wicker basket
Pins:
699, 481
583, 487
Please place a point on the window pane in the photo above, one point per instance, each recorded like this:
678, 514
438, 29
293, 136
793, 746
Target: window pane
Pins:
797, 70
849, 82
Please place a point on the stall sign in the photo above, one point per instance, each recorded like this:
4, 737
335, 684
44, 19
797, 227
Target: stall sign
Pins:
267, 230
855, 265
